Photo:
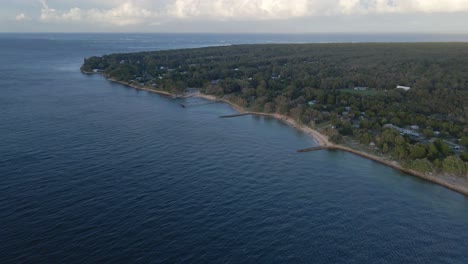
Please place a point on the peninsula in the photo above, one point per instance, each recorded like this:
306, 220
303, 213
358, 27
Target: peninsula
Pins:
404, 105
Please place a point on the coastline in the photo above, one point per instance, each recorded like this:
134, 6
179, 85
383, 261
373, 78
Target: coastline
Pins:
138, 87
449, 182
453, 183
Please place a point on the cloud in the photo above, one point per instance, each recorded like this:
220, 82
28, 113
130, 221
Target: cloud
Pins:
240, 9
147, 12
21, 17
124, 14
401, 6
283, 9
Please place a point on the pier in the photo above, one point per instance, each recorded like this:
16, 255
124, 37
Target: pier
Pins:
196, 104
250, 113
314, 149
235, 115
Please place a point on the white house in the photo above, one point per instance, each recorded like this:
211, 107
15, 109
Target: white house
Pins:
406, 88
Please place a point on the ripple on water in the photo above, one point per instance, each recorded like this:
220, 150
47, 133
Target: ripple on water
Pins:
92, 171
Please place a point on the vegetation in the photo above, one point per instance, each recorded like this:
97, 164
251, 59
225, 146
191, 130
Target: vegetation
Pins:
424, 127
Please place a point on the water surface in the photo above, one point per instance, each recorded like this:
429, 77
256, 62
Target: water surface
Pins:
92, 171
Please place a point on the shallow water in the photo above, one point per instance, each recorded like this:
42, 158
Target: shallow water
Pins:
92, 171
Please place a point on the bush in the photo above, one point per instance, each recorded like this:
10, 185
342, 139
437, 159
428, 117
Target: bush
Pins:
454, 166
422, 165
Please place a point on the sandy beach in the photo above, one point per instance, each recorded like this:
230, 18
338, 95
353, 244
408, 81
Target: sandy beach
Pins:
457, 184
141, 88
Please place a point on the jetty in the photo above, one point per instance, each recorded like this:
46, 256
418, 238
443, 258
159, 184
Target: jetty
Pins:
195, 104
313, 149
251, 113
235, 115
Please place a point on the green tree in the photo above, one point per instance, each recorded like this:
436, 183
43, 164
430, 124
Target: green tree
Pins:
365, 124
417, 151
431, 151
454, 165
269, 107
464, 157
443, 148
385, 148
422, 165
464, 141
282, 104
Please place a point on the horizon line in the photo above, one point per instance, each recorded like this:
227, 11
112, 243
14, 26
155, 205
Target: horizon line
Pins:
234, 33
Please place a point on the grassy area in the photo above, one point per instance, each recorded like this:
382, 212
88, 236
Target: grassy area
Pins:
324, 124
368, 92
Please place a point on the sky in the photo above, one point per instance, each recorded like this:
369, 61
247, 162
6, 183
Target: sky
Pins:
236, 16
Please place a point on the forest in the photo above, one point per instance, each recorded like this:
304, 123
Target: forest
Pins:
348, 91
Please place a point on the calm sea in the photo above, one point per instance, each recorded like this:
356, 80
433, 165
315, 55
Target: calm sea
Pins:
95, 172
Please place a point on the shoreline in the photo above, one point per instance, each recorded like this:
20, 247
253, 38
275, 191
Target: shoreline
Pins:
138, 87
320, 139
448, 182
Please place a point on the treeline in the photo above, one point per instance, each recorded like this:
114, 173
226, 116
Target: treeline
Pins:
313, 83
429, 66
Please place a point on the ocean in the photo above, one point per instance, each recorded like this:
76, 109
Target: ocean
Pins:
96, 172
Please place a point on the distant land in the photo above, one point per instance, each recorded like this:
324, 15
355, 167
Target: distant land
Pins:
401, 104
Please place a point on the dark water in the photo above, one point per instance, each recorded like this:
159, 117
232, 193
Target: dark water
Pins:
94, 172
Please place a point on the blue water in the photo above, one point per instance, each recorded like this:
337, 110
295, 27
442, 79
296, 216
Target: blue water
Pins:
95, 172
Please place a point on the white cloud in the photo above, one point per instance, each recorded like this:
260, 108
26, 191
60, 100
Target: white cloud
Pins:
240, 9
124, 14
278, 9
21, 17
146, 12
402, 6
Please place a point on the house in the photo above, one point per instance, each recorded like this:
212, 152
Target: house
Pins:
122, 61
402, 131
314, 102
456, 148
406, 88
275, 77
414, 127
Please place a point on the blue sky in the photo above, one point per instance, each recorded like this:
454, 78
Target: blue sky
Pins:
272, 16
